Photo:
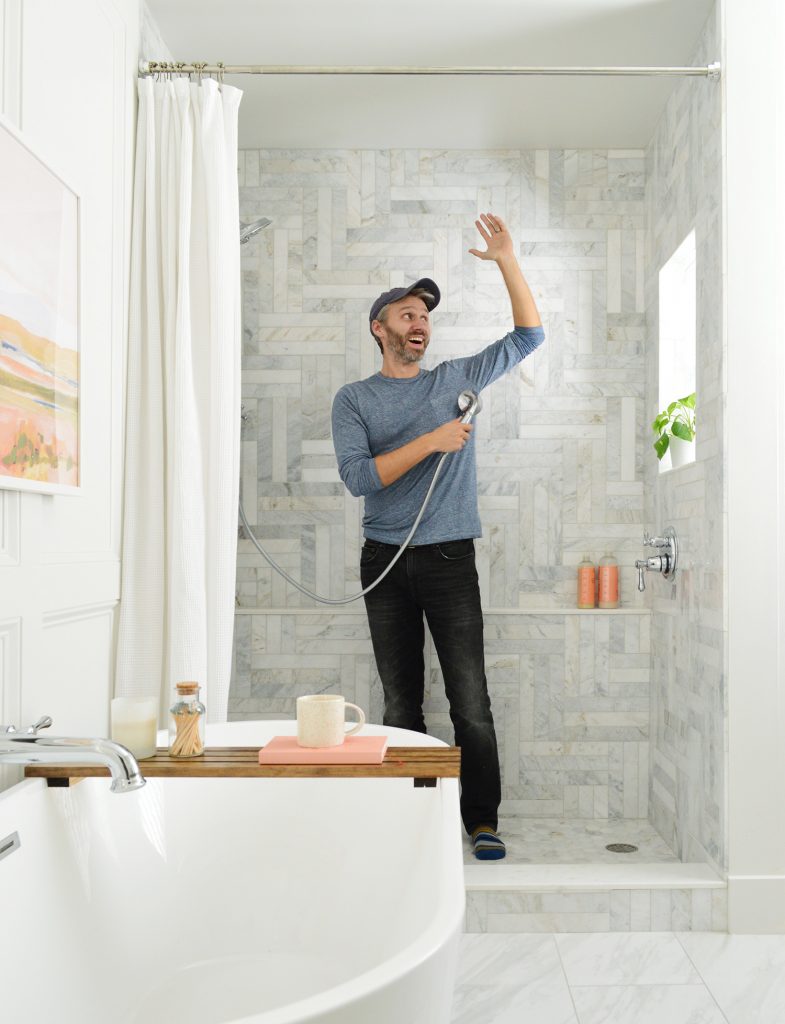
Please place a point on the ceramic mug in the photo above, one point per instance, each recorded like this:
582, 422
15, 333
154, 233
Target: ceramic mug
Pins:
321, 720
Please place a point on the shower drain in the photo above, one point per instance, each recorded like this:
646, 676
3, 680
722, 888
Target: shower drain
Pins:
621, 848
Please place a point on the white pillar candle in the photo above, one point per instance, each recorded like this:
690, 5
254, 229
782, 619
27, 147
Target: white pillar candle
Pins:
134, 724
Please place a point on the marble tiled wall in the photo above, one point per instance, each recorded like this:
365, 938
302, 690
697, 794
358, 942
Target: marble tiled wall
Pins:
560, 442
570, 696
688, 767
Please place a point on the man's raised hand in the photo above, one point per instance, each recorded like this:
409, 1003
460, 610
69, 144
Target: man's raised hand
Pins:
496, 237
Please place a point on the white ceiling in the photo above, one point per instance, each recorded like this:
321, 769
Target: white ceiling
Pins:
296, 112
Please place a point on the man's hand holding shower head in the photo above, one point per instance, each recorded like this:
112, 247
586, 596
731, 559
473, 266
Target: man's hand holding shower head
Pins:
453, 435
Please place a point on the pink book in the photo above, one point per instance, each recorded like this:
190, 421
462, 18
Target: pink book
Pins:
353, 750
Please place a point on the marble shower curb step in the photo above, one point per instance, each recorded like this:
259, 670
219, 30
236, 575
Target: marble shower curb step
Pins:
594, 898
503, 877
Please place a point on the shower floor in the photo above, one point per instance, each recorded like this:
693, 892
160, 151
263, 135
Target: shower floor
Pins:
575, 841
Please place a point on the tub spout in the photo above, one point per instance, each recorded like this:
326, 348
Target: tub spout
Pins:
30, 748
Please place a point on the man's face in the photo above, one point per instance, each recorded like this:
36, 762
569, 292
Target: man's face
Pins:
406, 331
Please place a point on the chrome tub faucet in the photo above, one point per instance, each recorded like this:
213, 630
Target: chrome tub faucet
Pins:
665, 562
29, 748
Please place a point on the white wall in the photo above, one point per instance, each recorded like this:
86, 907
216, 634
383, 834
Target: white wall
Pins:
68, 80
754, 90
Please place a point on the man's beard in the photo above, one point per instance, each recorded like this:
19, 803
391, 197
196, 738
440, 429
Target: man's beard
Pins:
400, 350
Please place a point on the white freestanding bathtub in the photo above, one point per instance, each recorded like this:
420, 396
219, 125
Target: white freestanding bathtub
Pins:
273, 901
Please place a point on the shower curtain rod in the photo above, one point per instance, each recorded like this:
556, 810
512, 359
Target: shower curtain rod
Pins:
154, 67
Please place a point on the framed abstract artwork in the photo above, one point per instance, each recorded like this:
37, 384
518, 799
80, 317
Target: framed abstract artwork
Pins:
39, 323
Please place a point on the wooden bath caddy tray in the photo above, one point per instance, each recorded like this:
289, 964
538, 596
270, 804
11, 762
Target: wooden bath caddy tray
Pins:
422, 764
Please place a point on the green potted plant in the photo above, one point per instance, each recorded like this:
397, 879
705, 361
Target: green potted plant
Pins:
675, 429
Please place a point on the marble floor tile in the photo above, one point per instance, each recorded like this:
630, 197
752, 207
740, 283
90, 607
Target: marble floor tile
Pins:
622, 958
513, 1004
506, 959
611, 979
646, 1004
506, 979
745, 973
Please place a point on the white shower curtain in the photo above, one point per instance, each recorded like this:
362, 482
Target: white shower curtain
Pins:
183, 398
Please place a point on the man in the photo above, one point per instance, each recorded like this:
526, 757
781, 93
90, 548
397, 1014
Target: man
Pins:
389, 431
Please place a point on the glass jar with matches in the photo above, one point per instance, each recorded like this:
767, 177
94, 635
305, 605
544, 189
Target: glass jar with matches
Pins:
186, 722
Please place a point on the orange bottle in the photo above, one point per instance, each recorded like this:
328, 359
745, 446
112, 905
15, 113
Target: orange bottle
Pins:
586, 583
609, 582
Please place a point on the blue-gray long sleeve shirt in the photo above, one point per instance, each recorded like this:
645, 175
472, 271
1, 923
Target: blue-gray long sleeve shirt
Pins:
377, 415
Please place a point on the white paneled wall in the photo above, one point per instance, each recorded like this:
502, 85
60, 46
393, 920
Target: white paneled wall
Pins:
68, 81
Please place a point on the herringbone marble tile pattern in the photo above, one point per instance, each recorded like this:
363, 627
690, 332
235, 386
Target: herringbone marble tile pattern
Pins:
561, 438
561, 443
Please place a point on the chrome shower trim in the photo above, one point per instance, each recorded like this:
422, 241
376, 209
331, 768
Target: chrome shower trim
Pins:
665, 562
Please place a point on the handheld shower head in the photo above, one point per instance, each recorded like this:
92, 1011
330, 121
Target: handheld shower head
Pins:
470, 403
247, 231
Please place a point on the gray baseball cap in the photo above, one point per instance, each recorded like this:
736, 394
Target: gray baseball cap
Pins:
395, 294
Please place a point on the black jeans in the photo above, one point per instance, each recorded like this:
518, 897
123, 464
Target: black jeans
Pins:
439, 580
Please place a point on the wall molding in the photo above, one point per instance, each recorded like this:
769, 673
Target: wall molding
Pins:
10, 687
124, 95
11, 81
66, 616
10, 527
10, 670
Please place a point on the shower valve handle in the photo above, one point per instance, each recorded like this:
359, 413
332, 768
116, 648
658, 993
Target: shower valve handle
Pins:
656, 542
657, 563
